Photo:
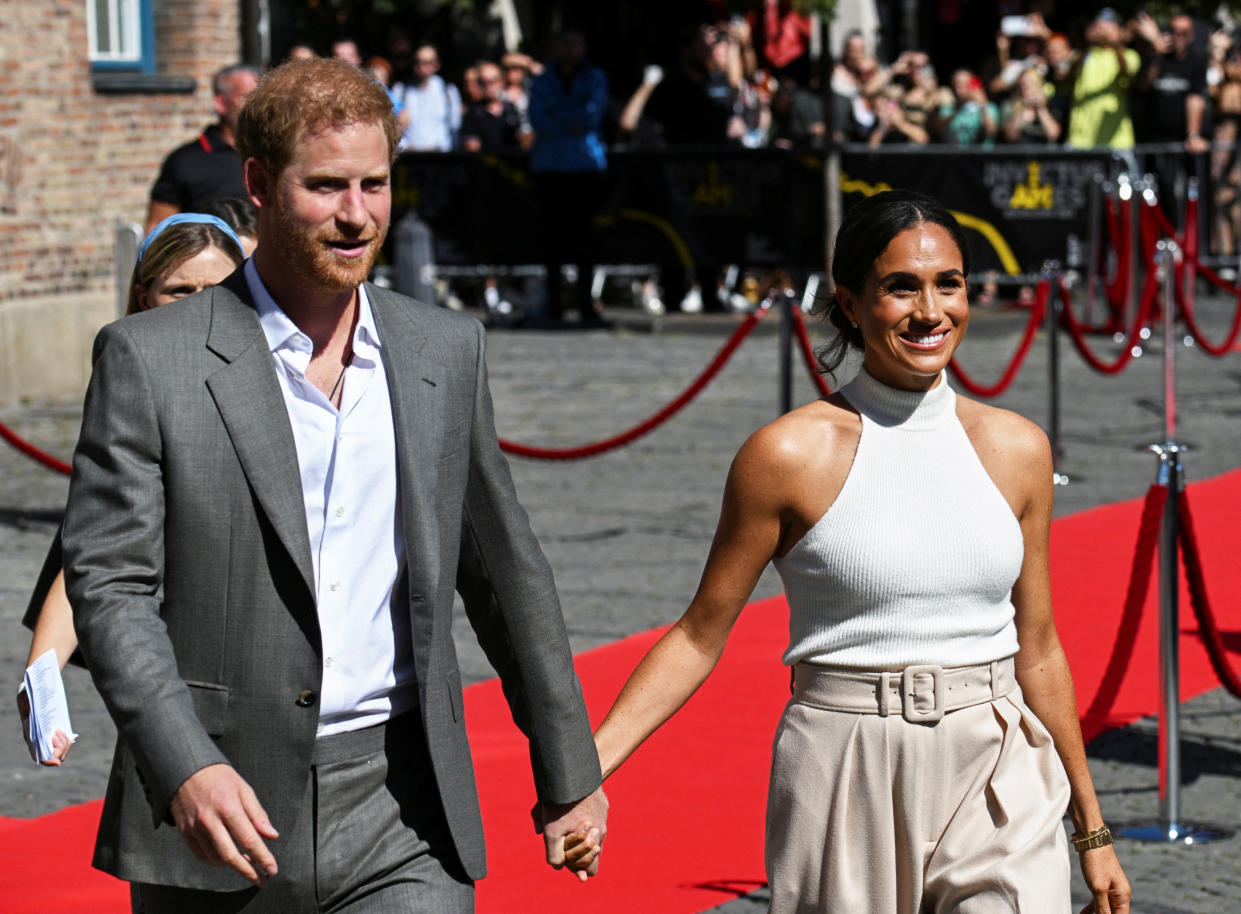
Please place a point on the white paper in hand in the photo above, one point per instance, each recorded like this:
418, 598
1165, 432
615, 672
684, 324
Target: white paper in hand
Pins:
49, 709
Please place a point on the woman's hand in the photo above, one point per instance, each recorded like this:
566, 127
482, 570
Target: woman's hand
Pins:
60, 742
1106, 881
582, 849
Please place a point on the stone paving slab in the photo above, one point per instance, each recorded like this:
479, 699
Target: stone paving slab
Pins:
627, 532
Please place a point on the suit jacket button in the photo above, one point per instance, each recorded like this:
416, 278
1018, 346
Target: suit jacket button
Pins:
306, 699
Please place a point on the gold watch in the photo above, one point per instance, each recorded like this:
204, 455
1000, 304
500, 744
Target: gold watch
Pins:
1099, 837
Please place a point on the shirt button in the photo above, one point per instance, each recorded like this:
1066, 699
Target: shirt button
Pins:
334, 586
306, 699
327, 661
340, 512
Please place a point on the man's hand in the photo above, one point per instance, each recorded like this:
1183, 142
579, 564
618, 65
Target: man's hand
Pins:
223, 823
586, 820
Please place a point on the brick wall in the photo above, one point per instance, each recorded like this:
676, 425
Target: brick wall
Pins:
73, 162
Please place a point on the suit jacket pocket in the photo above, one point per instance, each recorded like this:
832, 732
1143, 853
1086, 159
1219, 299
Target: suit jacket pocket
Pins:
211, 706
455, 698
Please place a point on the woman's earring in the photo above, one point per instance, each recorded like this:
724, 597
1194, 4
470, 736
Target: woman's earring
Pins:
854, 323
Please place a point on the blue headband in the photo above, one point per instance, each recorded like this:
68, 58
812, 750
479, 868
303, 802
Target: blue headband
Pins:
178, 219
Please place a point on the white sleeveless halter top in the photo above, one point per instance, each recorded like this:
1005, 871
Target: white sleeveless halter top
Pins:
916, 559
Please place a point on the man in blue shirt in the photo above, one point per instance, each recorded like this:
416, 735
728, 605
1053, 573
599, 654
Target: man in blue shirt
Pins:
568, 101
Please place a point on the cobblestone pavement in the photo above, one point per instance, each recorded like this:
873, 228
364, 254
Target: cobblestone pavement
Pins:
627, 532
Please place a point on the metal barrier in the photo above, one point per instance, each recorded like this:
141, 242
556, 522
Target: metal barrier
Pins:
687, 212
128, 237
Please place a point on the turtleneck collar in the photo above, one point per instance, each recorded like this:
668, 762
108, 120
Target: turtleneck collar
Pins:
910, 409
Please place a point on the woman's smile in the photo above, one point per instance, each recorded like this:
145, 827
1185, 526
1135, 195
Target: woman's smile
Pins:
926, 342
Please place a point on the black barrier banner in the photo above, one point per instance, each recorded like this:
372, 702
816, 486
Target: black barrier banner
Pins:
1019, 207
691, 212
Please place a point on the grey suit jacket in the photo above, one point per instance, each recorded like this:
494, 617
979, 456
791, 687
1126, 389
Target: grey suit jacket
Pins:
188, 564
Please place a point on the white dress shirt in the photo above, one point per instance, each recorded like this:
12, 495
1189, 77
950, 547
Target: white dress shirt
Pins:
347, 462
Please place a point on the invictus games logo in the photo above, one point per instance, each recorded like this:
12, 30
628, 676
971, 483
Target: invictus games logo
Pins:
1033, 194
1056, 189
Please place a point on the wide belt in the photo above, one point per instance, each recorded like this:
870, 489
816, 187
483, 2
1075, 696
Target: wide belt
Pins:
922, 693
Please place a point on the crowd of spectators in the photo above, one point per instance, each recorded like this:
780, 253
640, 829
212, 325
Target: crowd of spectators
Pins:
749, 81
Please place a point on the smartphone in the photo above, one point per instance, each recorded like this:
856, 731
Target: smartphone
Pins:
1015, 26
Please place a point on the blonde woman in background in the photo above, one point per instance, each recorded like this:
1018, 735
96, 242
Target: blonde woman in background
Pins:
184, 254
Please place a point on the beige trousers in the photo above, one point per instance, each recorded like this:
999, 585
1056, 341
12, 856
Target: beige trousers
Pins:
875, 814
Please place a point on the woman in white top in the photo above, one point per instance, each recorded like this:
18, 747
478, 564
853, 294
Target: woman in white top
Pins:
931, 746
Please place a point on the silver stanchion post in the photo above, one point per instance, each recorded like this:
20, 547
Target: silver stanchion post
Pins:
1055, 305
787, 304
1169, 827
1124, 190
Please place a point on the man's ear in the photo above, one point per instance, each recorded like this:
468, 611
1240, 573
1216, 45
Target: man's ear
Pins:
221, 106
259, 184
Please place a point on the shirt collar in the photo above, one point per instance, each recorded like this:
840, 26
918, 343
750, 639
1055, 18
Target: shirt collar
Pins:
282, 333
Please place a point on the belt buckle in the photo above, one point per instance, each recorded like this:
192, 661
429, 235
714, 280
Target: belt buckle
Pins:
909, 692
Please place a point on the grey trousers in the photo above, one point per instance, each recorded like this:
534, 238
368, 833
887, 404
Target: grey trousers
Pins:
371, 837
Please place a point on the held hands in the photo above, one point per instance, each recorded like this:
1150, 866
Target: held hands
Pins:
1106, 881
573, 833
223, 823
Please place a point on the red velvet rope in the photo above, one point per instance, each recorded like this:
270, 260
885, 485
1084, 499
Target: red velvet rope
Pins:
33, 452
1037, 313
522, 450
1187, 311
807, 353
1077, 332
1186, 306
1202, 609
599, 447
1135, 599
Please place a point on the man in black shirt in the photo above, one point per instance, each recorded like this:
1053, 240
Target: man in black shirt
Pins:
493, 124
207, 167
1174, 104
1177, 91
694, 103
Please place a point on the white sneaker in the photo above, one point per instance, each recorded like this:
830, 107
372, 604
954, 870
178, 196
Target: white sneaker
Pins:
648, 295
692, 302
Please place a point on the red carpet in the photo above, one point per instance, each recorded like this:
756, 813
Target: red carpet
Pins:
687, 810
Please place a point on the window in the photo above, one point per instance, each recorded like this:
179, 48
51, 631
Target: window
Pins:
120, 35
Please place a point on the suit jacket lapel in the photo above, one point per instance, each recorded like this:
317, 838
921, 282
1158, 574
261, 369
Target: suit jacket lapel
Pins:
247, 394
417, 387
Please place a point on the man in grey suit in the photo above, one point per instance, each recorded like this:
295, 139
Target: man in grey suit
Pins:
279, 484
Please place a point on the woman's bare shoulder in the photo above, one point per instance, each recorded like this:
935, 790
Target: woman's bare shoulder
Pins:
808, 438
1003, 432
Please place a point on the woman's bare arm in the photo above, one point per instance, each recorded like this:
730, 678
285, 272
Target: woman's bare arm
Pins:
55, 626
53, 631
1018, 456
746, 538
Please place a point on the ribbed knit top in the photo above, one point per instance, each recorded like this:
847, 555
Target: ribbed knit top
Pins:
916, 559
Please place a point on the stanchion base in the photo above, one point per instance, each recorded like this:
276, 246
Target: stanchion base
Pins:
1170, 833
